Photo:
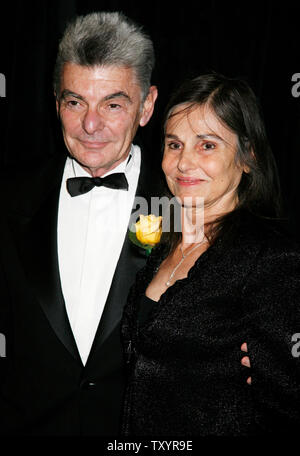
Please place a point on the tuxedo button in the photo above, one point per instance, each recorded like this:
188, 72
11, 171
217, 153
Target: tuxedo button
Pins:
87, 384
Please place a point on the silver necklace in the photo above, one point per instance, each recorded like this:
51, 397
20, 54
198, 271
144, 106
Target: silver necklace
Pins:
168, 283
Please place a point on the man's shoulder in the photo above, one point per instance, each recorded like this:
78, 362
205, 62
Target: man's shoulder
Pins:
29, 181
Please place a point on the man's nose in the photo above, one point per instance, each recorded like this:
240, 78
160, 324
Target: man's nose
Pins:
93, 121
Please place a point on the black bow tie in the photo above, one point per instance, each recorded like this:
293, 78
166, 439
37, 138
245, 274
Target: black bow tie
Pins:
79, 185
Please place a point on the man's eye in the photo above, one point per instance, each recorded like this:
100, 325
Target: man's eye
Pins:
114, 106
72, 103
174, 145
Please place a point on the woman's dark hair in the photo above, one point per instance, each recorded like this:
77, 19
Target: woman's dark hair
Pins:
236, 106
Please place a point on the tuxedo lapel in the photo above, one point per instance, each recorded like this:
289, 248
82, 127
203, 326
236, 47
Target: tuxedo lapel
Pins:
131, 260
128, 265
35, 231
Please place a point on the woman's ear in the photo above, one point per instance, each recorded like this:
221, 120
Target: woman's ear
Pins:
246, 168
148, 106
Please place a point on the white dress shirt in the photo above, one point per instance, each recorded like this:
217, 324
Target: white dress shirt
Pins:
91, 231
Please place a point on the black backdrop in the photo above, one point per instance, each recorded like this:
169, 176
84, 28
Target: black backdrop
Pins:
256, 41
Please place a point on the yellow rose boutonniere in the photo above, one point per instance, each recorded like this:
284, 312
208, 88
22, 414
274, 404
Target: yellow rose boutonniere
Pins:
148, 231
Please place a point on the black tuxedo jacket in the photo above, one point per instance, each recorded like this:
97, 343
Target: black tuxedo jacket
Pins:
44, 387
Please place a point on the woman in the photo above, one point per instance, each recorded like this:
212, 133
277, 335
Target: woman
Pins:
230, 276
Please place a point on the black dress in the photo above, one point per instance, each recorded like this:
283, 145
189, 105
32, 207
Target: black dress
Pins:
183, 352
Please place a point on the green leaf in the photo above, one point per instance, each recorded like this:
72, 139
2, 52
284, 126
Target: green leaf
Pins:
134, 240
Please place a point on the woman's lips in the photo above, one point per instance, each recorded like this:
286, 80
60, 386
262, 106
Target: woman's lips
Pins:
187, 182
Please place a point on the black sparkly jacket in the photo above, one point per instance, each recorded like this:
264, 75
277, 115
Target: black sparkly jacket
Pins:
184, 369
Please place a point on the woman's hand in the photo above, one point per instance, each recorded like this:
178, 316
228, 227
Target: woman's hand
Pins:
245, 360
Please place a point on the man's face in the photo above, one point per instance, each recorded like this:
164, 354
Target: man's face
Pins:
100, 110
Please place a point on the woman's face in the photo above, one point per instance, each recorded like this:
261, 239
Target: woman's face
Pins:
199, 159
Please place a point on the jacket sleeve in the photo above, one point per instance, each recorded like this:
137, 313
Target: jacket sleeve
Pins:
272, 296
5, 325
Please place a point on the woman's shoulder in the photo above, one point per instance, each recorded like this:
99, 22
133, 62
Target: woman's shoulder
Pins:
274, 249
268, 233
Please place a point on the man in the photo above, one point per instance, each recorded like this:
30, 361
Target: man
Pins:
67, 261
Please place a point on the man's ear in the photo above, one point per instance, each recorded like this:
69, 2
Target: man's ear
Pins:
148, 106
57, 104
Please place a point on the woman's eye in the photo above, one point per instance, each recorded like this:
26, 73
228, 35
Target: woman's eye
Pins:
209, 146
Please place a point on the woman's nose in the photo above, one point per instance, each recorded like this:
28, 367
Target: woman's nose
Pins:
93, 121
186, 161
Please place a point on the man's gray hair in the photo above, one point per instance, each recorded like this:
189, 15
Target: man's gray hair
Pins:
105, 38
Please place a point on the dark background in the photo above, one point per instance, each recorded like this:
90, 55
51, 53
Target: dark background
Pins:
257, 41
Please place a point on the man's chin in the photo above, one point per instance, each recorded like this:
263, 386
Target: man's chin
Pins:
90, 166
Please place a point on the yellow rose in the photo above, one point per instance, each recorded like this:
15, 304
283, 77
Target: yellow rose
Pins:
149, 229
